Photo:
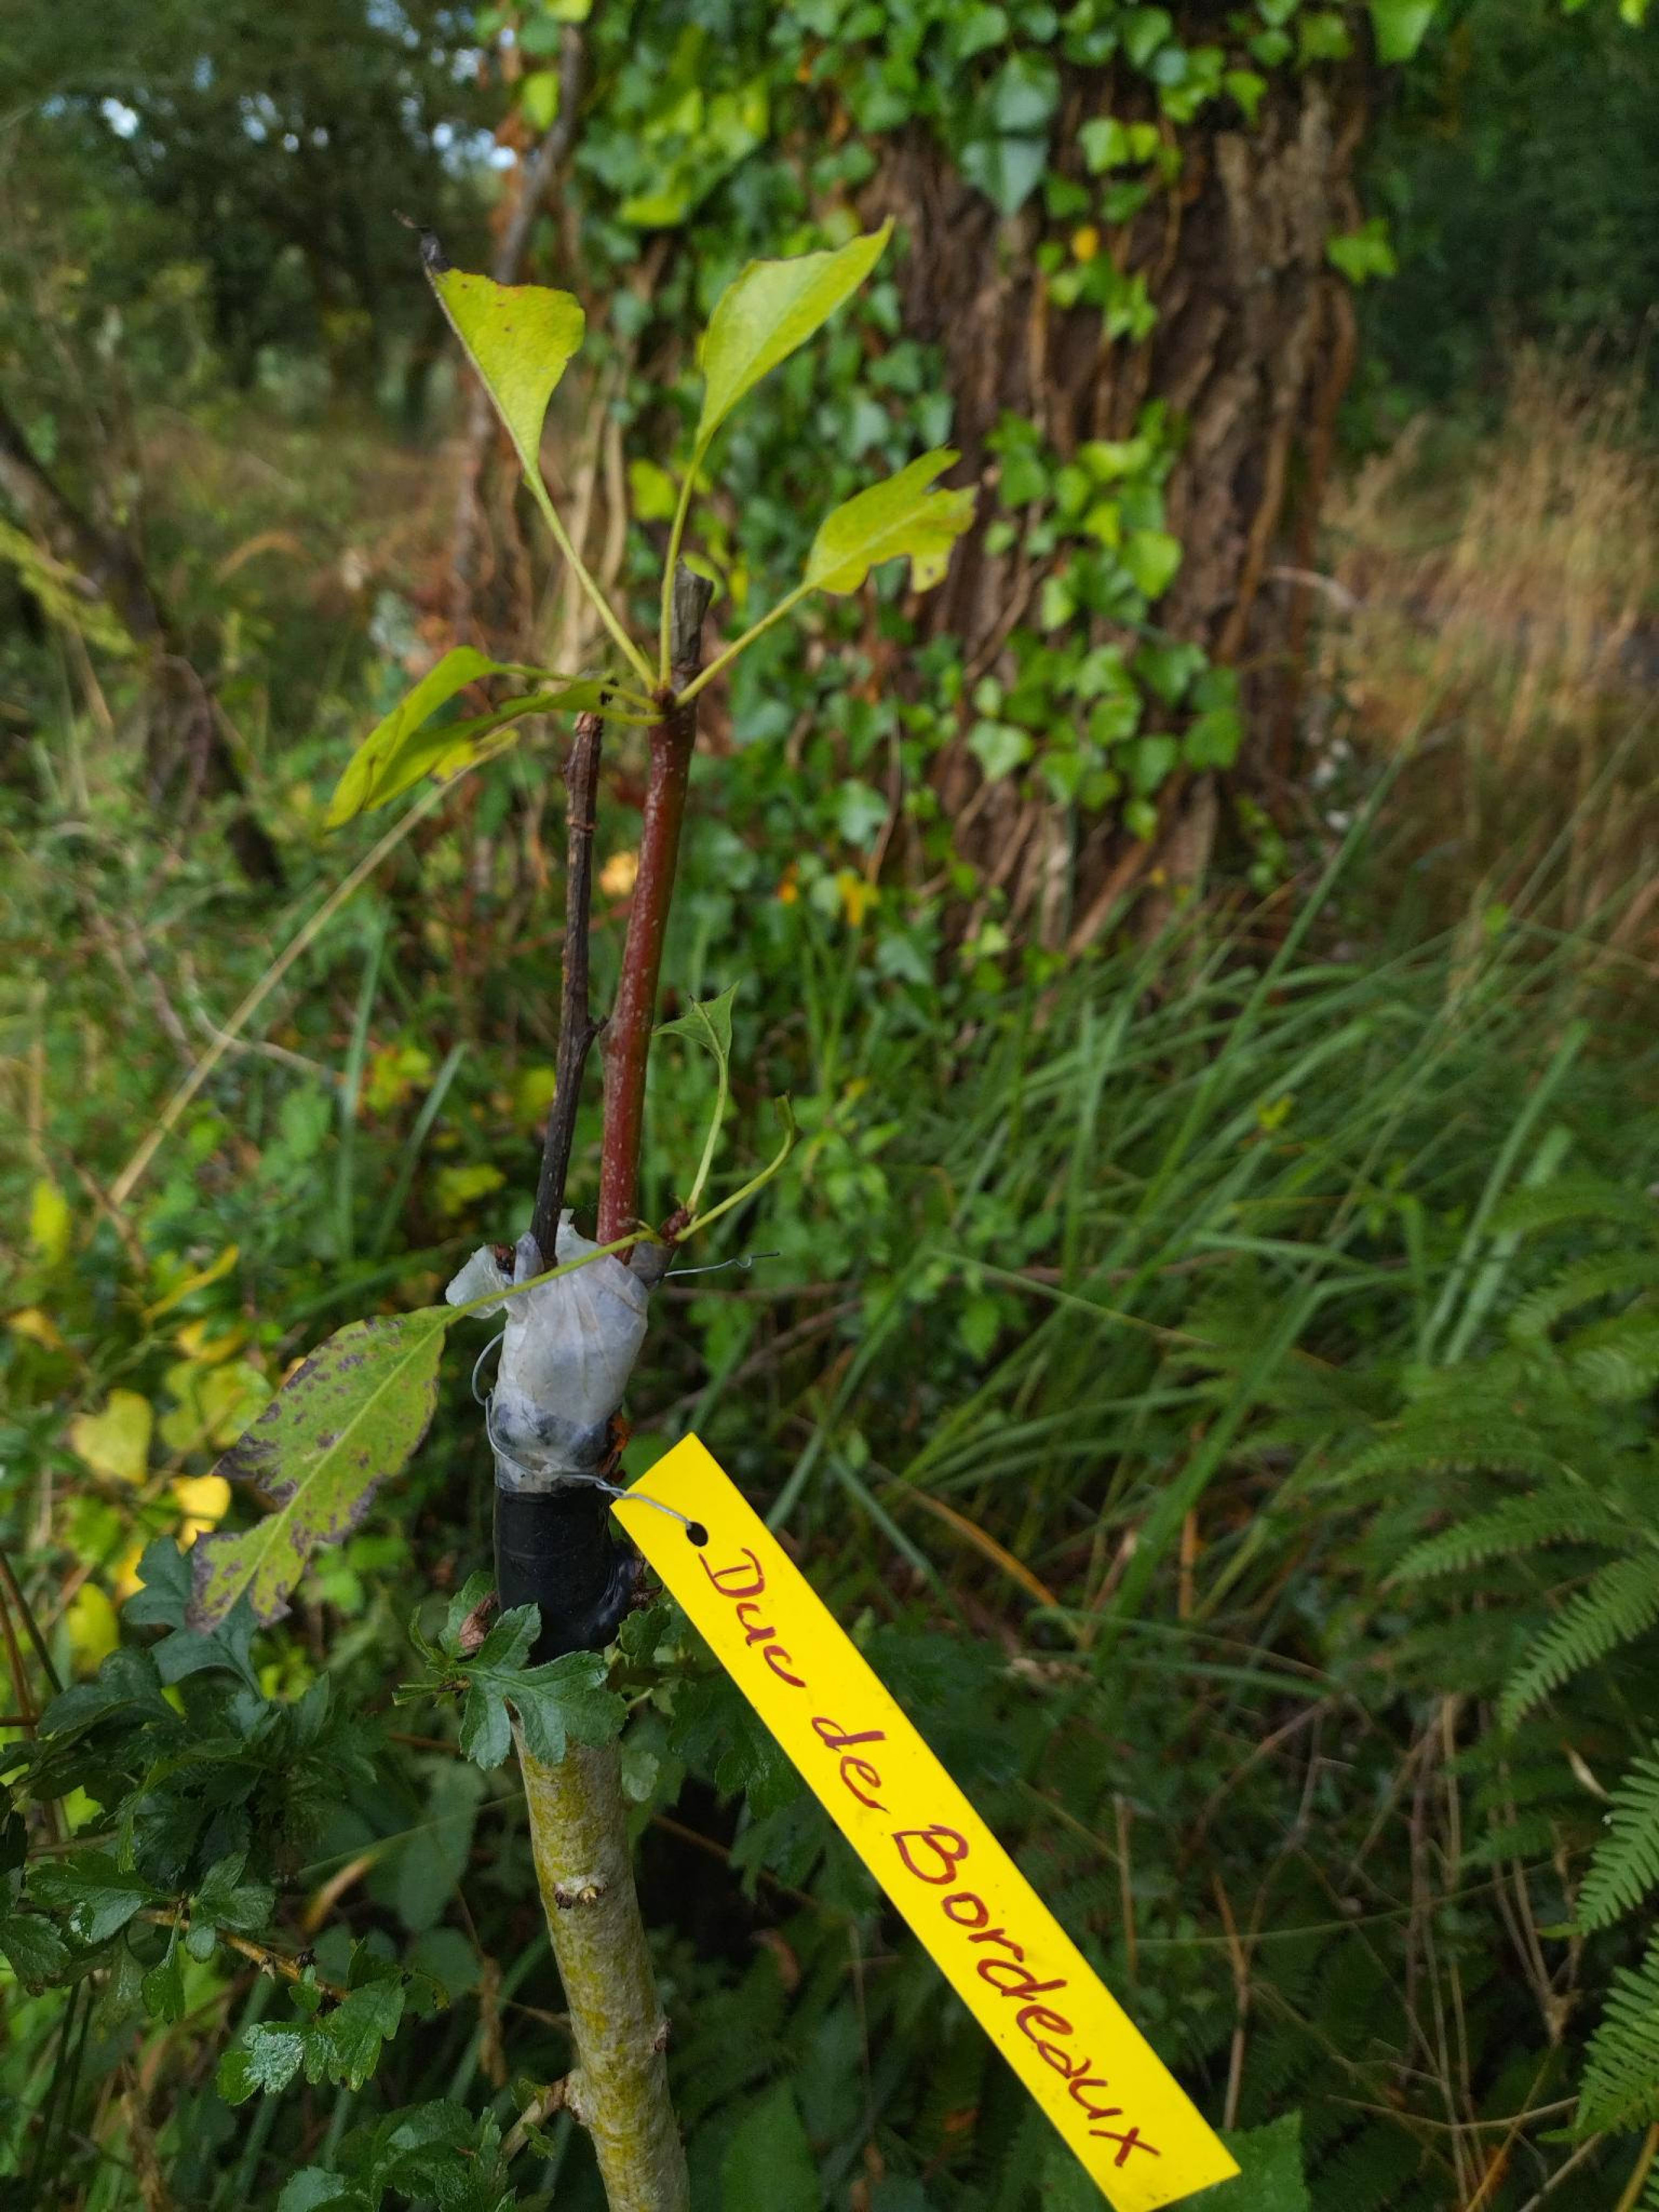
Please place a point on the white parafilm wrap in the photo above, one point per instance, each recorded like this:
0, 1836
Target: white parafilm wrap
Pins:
568, 1350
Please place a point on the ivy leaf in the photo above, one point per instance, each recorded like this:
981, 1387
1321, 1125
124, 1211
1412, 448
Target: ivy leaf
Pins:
520, 337
1399, 26
903, 517
561, 1699
98, 1897
351, 1415
407, 745
767, 311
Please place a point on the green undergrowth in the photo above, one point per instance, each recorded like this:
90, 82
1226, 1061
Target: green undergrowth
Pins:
1213, 1382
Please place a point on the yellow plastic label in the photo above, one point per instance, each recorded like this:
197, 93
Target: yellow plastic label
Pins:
1136, 2132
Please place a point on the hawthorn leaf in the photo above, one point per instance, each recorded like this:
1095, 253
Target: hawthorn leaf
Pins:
768, 310
520, 337
162, 1601
906, 516
344, 2045
406, 745
262, 2057
33, 1948
164, 1986
350, 1416
561, 1699
97, 1896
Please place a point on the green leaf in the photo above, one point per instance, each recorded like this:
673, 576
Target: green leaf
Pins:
399, 751
1151, 557
262, 2057
901, 518
769, 2165
98, 1897
351, 1415
520, 338
164, 1598
561, 1699
767, 311
435, 1855
226, 1901
1399, 26
344, 2045
707, 1021
33, 1947
164, 1984
1270, 2177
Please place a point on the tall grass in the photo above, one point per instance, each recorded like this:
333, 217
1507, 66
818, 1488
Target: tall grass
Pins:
1497, 609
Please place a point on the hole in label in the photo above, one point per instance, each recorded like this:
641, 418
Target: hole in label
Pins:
697, 1533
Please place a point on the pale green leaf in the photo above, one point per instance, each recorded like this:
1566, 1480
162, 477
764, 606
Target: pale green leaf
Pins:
707, 1021
520, 338
351, 1415
399, 751
1399, 26
767, 311
900, 517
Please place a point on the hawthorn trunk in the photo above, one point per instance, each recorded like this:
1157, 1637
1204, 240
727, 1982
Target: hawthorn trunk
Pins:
1253, 345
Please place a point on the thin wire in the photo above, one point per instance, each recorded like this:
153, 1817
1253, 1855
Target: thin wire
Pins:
482, 1397
745, 1262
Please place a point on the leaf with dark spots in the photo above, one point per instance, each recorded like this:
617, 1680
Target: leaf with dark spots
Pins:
352, 1414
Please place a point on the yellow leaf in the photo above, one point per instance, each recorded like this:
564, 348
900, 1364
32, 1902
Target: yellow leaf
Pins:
192, 1282
116, 1441
457, 1187
215, 1403
533, 1096
91, 1628
49, 1222
204, 1500
1085, 242
857, 896
619, 874
127, 1578
40, 1328
197, 1345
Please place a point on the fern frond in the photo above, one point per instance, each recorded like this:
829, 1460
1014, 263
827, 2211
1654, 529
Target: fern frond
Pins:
1621, 2066
1519, 1524
1569, 1198
1617, 1360
1604, 1275
1619, 1603
1432, 1448
1625, 1863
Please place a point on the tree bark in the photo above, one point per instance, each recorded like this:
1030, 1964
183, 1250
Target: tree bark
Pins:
1253, 346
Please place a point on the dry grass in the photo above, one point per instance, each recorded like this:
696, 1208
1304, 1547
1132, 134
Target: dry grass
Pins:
1499, 616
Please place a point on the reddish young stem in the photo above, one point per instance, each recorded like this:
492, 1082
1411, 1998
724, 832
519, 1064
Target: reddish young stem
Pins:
628, 1034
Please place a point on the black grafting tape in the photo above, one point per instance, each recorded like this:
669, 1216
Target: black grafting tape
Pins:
555, 1549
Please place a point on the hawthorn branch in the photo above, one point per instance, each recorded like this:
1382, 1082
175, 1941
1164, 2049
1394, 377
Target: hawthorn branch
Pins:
628, 1039
577, 1027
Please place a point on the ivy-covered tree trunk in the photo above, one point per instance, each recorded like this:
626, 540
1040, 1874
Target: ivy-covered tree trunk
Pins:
1252, 346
